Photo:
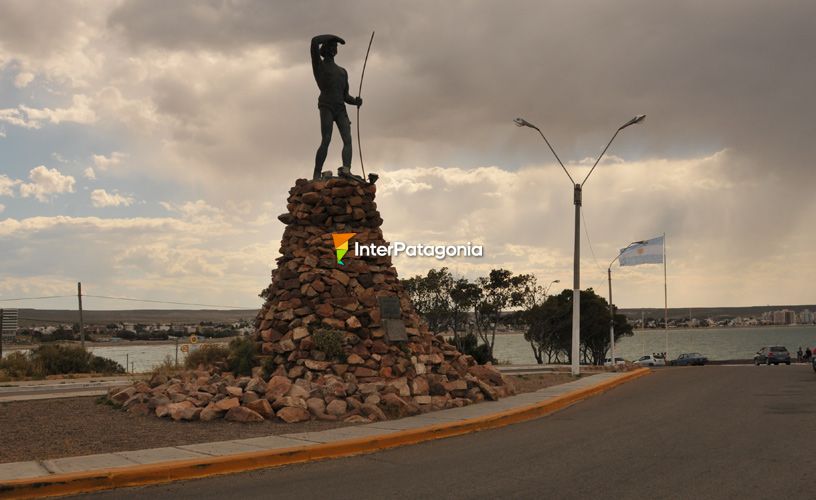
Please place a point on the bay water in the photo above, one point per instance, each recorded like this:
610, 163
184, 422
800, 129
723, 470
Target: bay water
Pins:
714, 343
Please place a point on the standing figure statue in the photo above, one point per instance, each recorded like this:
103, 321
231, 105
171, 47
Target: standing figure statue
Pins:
334, 95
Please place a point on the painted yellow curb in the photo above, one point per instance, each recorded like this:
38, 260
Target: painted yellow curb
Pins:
139, 475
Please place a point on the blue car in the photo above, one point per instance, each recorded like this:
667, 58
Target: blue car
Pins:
689, 359
772, 355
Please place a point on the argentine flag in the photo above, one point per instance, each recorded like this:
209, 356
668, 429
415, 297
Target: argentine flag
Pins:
648, 252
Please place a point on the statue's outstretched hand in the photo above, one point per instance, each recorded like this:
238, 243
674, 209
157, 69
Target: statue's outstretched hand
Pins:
358, 101
340, 40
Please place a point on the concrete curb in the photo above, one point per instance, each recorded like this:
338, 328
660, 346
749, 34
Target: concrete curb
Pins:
87, 481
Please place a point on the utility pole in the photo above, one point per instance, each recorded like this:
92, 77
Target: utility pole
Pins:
1, 334
576, 283
575, 358
81, 321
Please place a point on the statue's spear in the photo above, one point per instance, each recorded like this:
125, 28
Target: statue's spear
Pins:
359, 92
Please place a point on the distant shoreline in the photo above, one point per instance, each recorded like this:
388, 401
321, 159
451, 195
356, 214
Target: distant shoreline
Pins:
121, 343
675, 329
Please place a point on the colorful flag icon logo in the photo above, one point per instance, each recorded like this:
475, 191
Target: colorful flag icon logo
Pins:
341, 245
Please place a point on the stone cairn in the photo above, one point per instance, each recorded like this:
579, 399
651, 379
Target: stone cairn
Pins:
315, 303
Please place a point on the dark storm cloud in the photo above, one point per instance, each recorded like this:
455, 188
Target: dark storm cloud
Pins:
227, 104
711, 75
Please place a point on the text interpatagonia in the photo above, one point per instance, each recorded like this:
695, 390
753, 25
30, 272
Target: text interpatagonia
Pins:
396, 248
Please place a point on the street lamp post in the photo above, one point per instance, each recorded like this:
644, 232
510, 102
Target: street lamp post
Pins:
577, 190
611, 308
547, 290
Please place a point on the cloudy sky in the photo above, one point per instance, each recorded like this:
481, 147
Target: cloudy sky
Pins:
146, 147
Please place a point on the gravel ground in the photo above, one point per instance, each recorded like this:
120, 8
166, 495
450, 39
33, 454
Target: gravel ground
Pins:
37, 430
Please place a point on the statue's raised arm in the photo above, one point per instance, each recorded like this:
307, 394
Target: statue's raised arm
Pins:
315, 49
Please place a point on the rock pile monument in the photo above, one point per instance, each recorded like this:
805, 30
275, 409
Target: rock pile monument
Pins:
336, 341
338, 337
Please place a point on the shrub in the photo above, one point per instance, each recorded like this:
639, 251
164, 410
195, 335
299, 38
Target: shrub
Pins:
166, 367
329, 341
241, 358
470, 346
207, 355
105, 365
17, 365
57, 360
268, 365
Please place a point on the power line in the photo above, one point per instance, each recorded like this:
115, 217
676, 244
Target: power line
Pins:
586, 231
126, 299
165, 302
37, 298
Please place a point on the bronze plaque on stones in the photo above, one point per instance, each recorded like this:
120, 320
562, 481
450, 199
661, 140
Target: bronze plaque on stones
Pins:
389, 307
395, 330
391, 316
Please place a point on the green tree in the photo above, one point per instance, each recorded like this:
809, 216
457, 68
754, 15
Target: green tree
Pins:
499, 293
550, 327
431, 296
464, 298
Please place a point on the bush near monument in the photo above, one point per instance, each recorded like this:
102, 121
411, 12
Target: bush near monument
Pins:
56, 360
323, 351
208, 356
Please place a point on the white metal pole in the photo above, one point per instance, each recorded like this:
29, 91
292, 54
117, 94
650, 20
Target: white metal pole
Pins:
611, 319
576, 287
81, 320
665, 298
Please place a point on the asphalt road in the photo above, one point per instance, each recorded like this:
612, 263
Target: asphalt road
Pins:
696, 432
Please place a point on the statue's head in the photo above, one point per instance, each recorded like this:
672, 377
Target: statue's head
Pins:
328, 50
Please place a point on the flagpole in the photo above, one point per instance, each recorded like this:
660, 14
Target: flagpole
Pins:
665, 300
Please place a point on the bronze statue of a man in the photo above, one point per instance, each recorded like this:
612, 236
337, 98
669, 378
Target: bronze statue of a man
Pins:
334, 95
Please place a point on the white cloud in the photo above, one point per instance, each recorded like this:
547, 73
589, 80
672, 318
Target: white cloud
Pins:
33, 118
23, 79
89, 173
16, 117
165, 257
193, 209
2, 208
2, 133
101, 198
103, 162
141, 226
7, 185
45, 183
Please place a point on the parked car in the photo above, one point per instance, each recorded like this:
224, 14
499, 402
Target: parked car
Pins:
651, 360
689, 358
618, 361
773, 355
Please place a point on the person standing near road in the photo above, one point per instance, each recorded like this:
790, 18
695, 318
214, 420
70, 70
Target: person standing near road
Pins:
808, 353
799, 355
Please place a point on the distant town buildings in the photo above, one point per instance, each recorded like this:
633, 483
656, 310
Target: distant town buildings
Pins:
13, 332
8, 325
779, 317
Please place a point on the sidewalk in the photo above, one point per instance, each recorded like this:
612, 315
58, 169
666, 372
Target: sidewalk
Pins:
63, 388
304, 446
